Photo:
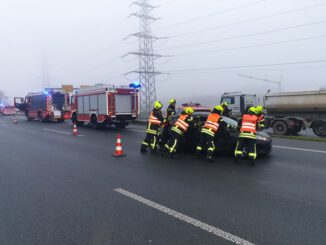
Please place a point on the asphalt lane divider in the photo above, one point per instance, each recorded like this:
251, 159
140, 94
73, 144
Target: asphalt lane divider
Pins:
211, 229
60, 132
298, 149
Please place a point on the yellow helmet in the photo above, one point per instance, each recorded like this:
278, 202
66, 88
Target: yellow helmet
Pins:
224, 103
172, 101
189, 110
253, 110
219, 108
259, 109
158, 105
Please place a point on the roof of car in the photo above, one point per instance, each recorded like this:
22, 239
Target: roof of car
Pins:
195, 106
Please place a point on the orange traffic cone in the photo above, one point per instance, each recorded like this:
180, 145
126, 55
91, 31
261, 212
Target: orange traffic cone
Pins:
75, 130
118, 148
15, 120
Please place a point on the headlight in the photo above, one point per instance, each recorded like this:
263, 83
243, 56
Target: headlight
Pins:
263, 138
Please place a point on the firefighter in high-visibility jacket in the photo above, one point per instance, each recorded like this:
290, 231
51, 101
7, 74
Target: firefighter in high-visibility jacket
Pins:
261, 117
213, 123
153, 127
247, 138
180, 127
170, 111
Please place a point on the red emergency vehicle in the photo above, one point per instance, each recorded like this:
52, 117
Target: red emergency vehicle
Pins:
102, 105
49, 105
8, 110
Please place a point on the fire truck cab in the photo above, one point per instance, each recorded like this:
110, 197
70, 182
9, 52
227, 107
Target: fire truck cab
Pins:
45, 106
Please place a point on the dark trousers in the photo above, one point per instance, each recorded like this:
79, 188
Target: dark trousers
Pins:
165, 134
206, 142
149, 141
250, 145
174, 142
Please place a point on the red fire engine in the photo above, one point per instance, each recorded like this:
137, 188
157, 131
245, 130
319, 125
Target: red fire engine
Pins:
48, 105
102, 105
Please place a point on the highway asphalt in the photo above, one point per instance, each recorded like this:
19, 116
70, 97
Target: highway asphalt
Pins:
61, 189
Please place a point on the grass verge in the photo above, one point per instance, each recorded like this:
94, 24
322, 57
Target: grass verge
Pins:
306, 138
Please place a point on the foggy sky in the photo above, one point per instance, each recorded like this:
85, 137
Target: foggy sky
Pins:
80, 42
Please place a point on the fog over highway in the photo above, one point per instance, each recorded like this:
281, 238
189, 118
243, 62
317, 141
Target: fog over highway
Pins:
46, 43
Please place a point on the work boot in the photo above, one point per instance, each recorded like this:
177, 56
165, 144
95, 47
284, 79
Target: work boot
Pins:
210, 159
153, 150
252, 162
143, 149
198, 154
236, 160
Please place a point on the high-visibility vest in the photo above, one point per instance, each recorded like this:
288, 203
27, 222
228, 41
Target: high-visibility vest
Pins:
261, 117
249, 123
181, 123
154, 120
212, 122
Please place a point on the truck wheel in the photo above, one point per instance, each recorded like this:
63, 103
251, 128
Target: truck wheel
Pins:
295, 131
40, 118
94, 123
319, 129
280, 128
27, 116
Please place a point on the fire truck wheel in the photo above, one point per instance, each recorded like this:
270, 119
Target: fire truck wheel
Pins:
28, 117
94, 123
40, 117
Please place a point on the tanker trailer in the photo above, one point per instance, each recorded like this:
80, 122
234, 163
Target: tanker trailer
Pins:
291, 112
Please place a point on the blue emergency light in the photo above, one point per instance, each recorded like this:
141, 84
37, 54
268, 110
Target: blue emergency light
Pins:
135, 85
46, 92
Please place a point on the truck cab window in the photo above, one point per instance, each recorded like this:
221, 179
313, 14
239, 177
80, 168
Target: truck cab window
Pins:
229, 100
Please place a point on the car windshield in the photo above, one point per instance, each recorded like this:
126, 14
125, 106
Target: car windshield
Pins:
201, 113
230, 121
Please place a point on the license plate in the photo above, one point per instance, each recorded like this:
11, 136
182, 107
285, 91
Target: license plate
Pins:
57, 113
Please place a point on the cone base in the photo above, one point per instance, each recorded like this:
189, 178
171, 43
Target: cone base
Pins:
119, 155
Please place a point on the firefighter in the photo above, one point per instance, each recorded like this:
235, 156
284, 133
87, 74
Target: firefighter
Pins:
180, 127
153, 128
261, 117
226, 110
207, 135
170, 111
247, 138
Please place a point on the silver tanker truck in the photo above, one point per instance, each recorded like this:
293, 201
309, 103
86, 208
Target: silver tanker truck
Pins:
291, 112
287, 113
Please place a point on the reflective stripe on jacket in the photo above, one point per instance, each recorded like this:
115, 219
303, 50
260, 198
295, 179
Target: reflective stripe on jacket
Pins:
212, 122
154, 120
181, 123
249, 123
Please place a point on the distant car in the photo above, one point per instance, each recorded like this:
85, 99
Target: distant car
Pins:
9, 111
226, 139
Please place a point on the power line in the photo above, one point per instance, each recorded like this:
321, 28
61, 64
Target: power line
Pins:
247, 35
253, 46
249, 20
210, 15
246, 66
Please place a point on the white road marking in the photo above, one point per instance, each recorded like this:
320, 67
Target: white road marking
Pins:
60, 132
298, 149
211, 229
